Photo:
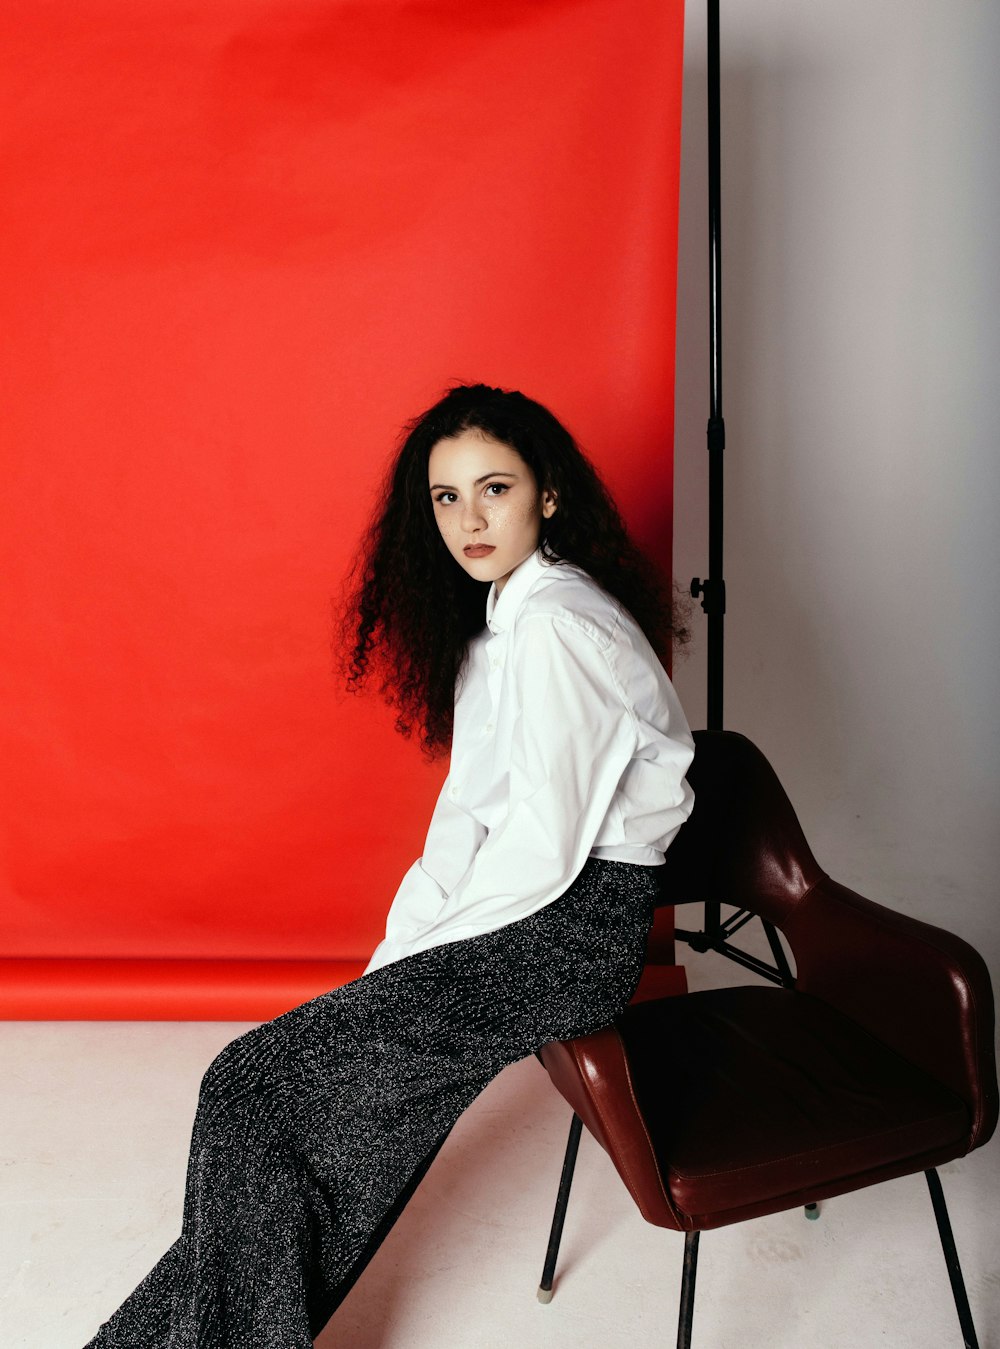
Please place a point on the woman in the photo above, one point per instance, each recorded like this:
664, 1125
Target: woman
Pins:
506, 613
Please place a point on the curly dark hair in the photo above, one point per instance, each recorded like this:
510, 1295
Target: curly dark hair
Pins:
411, 607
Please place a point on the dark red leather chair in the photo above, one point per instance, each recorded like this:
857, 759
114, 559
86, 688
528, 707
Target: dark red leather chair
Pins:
724, 1105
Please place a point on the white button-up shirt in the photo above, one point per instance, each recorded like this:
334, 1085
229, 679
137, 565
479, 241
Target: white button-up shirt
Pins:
569, 742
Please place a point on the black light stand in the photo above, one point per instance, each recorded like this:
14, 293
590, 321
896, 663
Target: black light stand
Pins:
712, 591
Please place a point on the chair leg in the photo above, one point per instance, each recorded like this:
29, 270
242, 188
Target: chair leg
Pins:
687, 1290
951, 1260
559, 1216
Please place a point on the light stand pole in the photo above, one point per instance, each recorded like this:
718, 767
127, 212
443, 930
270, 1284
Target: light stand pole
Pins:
712, 591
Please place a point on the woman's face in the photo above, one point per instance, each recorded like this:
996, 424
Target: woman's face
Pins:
486, 496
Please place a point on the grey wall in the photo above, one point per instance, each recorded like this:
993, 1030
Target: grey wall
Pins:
861, 196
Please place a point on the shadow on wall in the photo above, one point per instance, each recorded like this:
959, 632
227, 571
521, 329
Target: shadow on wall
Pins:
781, 687
857, 472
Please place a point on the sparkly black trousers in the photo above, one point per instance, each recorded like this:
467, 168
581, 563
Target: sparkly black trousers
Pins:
313, 1130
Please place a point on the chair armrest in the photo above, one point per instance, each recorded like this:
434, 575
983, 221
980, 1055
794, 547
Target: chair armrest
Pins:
919, 989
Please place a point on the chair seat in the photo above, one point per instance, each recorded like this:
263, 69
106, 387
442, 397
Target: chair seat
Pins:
752, 1093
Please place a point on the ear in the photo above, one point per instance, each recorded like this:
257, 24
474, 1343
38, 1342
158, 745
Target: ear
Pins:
549, 503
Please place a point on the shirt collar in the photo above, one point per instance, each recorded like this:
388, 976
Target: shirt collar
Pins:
500, 609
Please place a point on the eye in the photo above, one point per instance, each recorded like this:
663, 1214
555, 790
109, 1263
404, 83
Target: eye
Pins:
441, 496
502, 485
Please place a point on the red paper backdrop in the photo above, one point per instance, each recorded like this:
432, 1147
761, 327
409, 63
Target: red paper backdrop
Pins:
242, 243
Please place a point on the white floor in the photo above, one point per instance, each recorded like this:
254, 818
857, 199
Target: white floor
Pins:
96, 1123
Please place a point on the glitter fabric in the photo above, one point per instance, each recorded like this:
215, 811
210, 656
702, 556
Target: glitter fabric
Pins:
312, 1130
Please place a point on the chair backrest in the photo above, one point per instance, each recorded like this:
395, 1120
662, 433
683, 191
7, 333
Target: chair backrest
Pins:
743, 843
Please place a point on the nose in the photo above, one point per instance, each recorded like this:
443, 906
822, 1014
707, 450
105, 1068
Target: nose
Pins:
472, 519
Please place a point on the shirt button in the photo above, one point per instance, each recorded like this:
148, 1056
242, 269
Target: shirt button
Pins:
451, 792
489, 728
494, 663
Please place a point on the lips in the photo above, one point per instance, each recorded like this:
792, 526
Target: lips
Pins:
478, 550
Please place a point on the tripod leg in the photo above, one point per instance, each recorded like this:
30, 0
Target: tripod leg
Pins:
778, 951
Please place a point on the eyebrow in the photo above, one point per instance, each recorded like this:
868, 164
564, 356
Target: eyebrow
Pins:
498, 473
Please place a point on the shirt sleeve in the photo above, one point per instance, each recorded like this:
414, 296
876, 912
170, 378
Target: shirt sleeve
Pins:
453, 839
573, 738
